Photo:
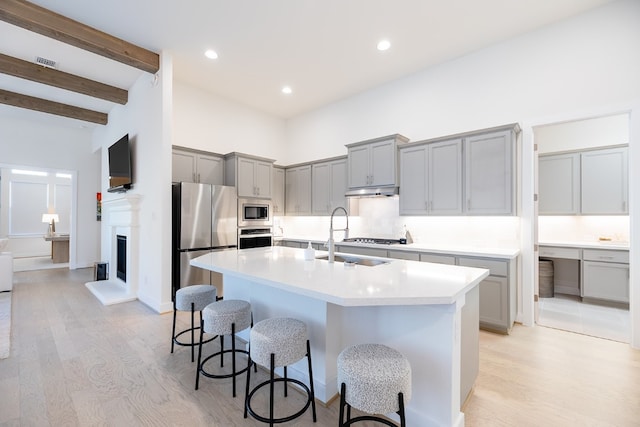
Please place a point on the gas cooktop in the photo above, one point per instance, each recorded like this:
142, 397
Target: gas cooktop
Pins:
370, 240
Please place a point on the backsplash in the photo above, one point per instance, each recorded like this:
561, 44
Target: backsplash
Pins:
379, 217
583, 228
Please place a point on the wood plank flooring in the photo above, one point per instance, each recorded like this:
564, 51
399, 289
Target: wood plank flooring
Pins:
76, 362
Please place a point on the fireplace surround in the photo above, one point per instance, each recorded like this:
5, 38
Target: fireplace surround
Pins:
120, 218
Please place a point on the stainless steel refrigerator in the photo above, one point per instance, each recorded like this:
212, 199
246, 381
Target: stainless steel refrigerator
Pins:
204, 218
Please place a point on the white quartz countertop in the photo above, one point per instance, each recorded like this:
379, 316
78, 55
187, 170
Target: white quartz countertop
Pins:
399, 282
449, 249
611, 245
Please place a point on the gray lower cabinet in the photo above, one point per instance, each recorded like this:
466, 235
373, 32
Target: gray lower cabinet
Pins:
362, 251
605, 275
497, 293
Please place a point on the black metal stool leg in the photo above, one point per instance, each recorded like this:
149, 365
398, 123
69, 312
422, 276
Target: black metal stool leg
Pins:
233, 356
272, 375
192, 333
173, 329
285, 382
341, 422
313, 394
199, 354
246, 394
221, 351
401, 410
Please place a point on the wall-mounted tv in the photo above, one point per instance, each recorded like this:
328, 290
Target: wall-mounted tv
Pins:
120, 174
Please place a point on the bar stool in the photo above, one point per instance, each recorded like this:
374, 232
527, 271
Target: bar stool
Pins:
223, 318
375, 379
191, 298
279, 342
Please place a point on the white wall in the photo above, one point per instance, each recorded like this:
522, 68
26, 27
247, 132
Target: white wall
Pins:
48, 146
205, 121
147, 120
591, 60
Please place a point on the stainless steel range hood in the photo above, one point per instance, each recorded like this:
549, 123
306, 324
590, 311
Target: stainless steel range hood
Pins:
373, 192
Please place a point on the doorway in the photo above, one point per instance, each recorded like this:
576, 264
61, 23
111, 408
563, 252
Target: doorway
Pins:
571, 230
36, 215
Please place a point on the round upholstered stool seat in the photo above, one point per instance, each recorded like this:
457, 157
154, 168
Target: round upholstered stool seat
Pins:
191, 298
375, 379
222, 318
278, 342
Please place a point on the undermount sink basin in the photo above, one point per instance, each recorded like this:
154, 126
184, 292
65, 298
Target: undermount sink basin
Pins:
369, 262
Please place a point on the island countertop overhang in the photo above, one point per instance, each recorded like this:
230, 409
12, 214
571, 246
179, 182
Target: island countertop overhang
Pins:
399, 282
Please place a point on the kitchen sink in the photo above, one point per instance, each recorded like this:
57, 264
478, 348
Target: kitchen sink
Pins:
369, 262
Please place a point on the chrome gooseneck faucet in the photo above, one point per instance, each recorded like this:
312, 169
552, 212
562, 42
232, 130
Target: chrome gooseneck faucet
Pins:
331, 242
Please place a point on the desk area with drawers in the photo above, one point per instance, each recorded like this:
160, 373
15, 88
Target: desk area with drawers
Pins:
593, 271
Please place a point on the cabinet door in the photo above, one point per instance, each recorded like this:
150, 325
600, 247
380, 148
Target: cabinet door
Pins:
445, 177
277, 201
605, 280
298, 190
246, 178
413, 181
321, 181
210, 169
489, 174
359, 166
290, 191
604, 181
494, 301
338, 175
304, 190
262, 176
183, 166
559, 184
382, 168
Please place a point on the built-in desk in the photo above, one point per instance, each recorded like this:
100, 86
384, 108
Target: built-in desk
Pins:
593, 271
59, 247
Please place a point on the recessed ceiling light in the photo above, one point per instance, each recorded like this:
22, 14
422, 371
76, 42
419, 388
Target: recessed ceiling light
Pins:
384, 44
287, 90
211, 54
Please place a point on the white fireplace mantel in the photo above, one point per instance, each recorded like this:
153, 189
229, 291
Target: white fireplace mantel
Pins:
120, 217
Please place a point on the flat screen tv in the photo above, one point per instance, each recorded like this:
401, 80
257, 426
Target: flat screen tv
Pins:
120, 176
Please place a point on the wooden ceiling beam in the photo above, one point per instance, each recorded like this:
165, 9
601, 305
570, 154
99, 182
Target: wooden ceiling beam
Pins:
43, 21
49, 76
51, 107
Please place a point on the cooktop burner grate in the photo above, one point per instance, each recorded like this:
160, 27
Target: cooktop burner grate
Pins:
371, 240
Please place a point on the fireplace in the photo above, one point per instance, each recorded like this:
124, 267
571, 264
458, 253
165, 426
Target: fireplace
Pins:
120, 248
121, 257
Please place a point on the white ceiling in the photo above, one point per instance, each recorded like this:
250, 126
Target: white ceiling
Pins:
324, 49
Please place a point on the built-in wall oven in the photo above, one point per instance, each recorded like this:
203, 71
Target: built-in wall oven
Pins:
254, 213
257, 237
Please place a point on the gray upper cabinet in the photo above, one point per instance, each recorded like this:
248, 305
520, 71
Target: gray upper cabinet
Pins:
592, 182
250, 175
374, 163
559, 184
431, 178
194, 166
604, 177
490, 173
329, 185
277, 199
298, 190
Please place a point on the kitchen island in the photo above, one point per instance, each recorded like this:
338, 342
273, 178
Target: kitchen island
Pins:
429, 312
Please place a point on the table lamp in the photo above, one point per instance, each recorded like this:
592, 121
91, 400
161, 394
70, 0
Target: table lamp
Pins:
51, 220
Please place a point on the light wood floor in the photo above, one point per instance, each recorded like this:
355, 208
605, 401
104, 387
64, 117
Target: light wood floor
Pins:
76, 362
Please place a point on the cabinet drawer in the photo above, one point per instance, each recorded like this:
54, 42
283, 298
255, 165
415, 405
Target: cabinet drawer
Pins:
553, 252
497, 268
605, 255
411, 256
438, 259
362, 251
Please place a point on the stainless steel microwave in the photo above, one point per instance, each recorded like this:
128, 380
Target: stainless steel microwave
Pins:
253, 213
